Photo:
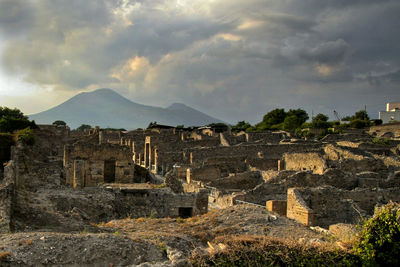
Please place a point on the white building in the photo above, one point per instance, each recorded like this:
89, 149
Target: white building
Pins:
391, 114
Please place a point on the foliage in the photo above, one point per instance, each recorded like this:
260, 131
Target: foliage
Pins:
9, 124
61, 123
359, 124
379, 141
278, 119
241, 126
83, 127
181, 126
377, 122
379, 242
248, 251
114, 129
361, 115
219, 127
12, 113
300, 114
14, 119
26, 136
320, 121
273, 117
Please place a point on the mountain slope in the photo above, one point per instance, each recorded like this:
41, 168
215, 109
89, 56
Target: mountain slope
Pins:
106, 108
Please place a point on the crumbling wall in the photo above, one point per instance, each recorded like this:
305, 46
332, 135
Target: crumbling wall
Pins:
85, 164
305, 161
6, 198
331, 205
159, 203
241, 181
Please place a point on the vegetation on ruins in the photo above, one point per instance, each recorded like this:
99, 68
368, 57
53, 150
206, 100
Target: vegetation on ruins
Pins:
26, 136
219, 127
13, 119
59, 123
15, 125
379, 241
241, 126
83, 127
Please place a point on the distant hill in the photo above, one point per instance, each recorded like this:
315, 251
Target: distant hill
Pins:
106, 108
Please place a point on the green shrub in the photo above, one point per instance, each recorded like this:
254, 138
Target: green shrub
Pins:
379, 241
359, 124
379, 141
270, 252
26, 136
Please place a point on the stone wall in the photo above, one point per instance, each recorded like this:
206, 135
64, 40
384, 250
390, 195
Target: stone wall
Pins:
6, 198
159, 203
305, 162
88, 165
329, 205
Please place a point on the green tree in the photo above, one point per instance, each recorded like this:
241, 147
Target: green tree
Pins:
83, 127
379, 242
219, 127
60, 123
14, 119
300, 114
241, 126
290, 123
275, 116
12, 113
361, 115
320, 121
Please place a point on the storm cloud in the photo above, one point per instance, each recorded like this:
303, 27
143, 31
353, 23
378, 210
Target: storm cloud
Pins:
231, 58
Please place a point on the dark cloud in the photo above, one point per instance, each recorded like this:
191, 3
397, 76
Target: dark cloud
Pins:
237, 59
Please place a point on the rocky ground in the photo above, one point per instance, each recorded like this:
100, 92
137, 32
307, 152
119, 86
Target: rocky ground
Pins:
148, 241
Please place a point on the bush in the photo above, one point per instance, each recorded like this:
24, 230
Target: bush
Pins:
379, 241
253, 251
359, 124
26, 136
379, 141
60, 123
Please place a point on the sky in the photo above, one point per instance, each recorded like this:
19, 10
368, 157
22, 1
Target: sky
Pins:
232, 59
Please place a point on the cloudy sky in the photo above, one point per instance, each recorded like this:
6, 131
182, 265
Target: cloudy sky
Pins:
233, 59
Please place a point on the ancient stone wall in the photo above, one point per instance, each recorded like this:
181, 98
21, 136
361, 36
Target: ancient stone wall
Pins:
305, 162
160, 203
88, 164
331, 205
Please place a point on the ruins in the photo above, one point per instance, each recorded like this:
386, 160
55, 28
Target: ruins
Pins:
170, 172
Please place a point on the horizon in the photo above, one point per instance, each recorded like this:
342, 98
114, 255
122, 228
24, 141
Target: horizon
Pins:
232, 60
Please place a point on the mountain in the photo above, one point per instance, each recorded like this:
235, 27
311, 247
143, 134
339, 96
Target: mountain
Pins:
106, 108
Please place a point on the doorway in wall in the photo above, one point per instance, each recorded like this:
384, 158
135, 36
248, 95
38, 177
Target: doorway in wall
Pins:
185, 212
109, 171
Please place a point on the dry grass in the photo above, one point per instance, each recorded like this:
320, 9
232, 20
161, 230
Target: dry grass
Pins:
4, 254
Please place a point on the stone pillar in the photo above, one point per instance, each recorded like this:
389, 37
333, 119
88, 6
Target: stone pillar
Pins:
188, 175
79, 173
101, 137
281, 165
155, 160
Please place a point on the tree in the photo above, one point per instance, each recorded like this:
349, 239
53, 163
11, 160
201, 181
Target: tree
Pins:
275, 116
300, 114
83, 127
361, 115
12, 113
241, 126
291, 122
219, 127
13, 119
60, 123
320, 121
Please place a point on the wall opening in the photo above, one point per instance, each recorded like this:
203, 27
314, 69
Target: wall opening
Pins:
109, 171
185, 212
